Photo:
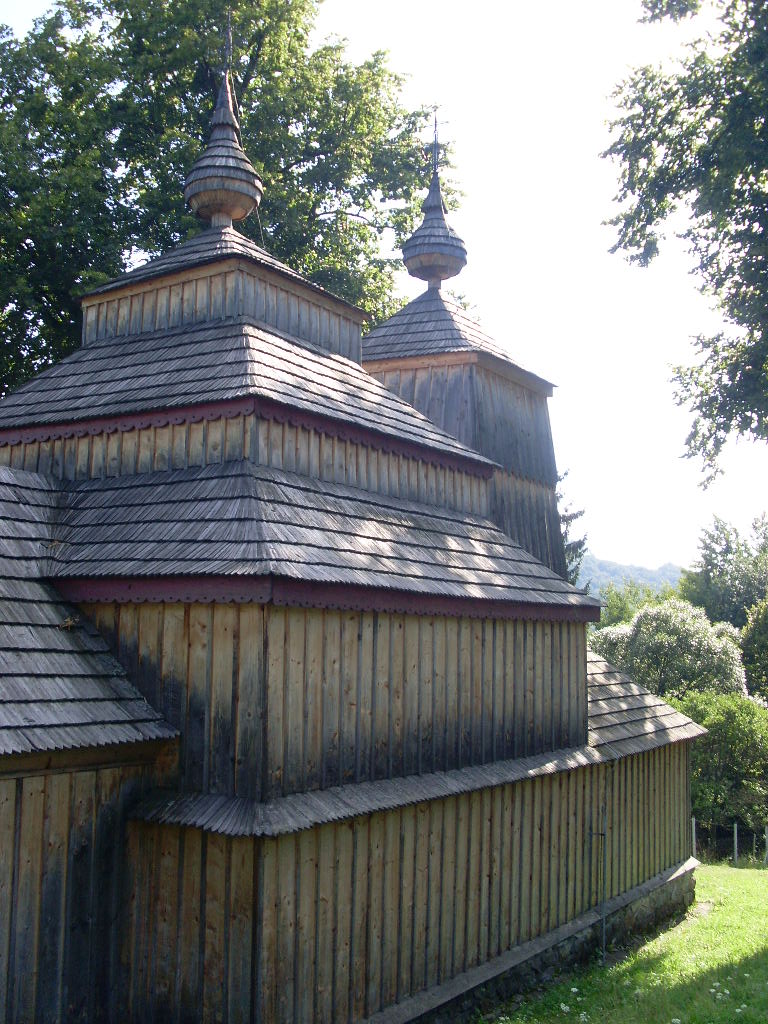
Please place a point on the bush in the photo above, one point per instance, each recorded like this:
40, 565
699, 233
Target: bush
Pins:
672, 649
729, 766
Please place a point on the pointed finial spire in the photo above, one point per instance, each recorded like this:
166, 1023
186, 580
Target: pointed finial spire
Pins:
434, 252
228, 50
222, 185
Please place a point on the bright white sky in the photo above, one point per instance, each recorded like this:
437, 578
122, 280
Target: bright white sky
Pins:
524, 96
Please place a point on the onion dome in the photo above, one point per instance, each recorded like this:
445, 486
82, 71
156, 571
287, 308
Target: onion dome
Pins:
222, 185
434, 251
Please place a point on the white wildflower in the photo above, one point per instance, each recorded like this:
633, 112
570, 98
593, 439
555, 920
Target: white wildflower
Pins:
676, 1020
727, 991
738, 1009
716, 984
565, 1007
574, 990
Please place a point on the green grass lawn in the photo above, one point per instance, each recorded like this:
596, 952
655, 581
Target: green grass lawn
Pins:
711, 968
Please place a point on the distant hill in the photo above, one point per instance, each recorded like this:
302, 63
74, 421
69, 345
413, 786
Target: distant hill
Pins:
599, 572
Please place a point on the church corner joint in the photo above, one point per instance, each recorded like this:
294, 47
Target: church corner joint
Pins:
297, 717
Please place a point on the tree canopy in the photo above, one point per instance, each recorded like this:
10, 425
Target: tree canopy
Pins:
671, 649
754, 649
731, 574
104, 106
620, 603
696, 138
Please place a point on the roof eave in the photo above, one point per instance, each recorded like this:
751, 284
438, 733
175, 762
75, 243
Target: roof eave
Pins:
285, 591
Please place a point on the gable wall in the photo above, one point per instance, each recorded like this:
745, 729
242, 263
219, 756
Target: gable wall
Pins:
273, 700
227, 288
264, 441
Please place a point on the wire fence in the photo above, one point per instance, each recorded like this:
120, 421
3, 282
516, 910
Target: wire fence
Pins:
729, 842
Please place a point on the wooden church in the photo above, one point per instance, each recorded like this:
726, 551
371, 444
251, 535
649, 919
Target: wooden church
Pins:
297, 719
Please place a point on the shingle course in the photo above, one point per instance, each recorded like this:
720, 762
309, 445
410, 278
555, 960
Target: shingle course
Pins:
59, 687
238, 518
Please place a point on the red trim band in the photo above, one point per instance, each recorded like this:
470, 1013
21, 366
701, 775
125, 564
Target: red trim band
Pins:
298, 593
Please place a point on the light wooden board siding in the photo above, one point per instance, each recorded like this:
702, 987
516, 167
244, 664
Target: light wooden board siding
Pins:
273, 700
344, 919
263, 441
215, 291
61, 852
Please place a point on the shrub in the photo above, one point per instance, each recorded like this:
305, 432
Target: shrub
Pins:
729, 766
672, 648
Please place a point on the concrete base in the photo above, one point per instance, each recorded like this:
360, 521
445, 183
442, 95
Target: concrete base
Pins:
532, 963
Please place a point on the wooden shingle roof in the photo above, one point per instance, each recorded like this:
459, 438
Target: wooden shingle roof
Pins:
226, 360
240, 519
431, 325
60, 688
210, 246
626, 718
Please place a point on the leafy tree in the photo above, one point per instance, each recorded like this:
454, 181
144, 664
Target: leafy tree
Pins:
697, 137
729, 766
105, 105
671, 649
731, 574
754, 649
575, 547
620, 603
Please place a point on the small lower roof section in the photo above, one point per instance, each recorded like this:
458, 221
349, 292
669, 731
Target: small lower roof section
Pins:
298, 811
241, 520
60, 688
626, 718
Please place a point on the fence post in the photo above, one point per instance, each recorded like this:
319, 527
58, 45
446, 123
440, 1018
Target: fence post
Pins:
693, 836
735, 843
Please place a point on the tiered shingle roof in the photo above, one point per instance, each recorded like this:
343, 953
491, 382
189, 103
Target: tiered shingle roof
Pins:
240, 519
214, 362
60, 688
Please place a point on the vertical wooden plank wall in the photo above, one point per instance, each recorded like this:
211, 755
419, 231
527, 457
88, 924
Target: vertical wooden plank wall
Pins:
61, 850
212, 292
507, 423
265, 442
337, 922
325, 697
526, 510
